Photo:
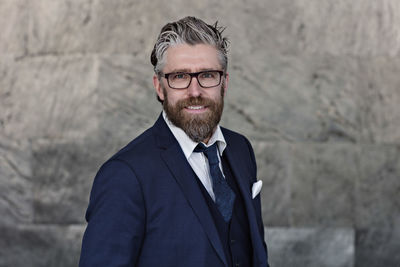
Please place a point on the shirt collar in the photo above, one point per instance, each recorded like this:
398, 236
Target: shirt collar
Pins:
188, 145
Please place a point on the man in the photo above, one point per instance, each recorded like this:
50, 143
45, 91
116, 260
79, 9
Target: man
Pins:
183, 193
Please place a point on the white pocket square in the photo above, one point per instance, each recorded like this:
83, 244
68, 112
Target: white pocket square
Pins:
256, 188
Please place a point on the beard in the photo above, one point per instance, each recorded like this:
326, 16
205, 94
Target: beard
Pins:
198, 127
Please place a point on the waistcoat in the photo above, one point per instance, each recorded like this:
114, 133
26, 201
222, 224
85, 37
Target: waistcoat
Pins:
235, 234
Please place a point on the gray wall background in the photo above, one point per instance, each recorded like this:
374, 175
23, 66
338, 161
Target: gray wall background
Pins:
314, 84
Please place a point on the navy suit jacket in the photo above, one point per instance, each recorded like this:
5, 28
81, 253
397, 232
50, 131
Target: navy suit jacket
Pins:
147, 210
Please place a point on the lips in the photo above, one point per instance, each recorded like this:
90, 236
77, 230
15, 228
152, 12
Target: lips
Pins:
195, 107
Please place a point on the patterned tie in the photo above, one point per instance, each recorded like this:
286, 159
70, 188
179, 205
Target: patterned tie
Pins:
224, 196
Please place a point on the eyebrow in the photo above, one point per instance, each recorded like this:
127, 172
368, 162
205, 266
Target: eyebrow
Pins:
189, 71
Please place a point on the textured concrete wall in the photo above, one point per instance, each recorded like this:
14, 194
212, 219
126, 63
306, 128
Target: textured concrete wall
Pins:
314, 84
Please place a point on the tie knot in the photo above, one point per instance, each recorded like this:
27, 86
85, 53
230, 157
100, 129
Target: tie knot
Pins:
210, 152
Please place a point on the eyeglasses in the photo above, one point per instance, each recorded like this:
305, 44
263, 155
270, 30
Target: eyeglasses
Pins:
182, 80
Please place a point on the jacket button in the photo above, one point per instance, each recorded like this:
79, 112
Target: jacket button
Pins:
233, 241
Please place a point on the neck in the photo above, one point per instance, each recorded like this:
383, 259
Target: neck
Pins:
205, 141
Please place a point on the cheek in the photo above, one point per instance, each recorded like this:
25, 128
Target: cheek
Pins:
173, 98
216, 95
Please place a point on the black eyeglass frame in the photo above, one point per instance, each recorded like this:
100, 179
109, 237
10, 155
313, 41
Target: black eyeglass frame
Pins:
194, 74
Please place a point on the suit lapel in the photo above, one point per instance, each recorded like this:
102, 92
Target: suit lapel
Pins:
242, 178
178, 165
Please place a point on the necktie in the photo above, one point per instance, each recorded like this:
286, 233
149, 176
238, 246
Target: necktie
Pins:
224, 196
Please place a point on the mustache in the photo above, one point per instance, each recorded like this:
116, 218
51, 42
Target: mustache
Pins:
191, 101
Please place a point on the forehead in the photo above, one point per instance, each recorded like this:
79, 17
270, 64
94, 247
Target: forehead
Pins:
191, 58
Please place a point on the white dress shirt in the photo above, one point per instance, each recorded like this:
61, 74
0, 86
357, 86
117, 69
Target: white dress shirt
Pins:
198, 161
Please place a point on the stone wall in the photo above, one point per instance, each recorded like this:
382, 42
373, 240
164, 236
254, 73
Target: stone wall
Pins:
314, 84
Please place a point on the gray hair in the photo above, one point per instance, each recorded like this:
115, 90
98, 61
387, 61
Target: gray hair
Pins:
192, 31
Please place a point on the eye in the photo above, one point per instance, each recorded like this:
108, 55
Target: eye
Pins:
208, 75
178, 76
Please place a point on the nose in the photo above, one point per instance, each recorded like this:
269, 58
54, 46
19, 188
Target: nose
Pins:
194, 89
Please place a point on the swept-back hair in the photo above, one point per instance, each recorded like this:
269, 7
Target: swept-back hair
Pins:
192, 31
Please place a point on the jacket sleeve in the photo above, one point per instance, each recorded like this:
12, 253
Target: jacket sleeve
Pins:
116, 218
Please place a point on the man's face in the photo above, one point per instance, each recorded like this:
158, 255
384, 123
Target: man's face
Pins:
196, 110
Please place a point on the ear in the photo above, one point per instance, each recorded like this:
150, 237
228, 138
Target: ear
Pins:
158, 87
226, 83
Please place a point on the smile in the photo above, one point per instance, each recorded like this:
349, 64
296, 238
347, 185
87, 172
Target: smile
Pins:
195, 107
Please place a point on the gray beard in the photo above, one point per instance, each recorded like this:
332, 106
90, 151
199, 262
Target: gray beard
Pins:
197, 127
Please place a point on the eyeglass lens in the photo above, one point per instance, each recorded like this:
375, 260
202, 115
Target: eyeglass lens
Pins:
205, 79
